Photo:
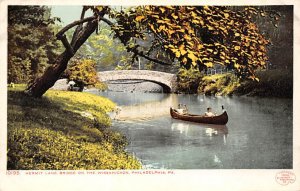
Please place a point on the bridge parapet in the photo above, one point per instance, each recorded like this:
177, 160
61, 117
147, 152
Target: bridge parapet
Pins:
165, 79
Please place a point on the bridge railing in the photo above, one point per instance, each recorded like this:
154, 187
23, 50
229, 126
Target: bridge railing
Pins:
212, 71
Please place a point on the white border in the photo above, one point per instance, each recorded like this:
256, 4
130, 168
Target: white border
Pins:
183, 179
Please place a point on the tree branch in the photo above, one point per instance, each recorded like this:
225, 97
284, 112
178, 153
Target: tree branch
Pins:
107, 21
83, 12
111, 24
69, 48
67, 45
84, 34
152, 59
66, 28
79, 27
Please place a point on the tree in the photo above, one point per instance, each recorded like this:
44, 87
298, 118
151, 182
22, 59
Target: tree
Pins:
31, 46
193, 36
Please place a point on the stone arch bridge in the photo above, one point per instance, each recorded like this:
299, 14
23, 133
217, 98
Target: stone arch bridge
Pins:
166, 80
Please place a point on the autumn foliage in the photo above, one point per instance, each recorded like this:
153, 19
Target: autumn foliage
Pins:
193, 36
199, 36
82, 72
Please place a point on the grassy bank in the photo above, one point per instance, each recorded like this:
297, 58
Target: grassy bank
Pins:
272, 83
63, 131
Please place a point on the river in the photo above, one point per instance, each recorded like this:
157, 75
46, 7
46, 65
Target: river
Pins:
258, 135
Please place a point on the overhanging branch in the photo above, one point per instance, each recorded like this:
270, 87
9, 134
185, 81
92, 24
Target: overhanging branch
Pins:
66, 28
140, 53
152, 59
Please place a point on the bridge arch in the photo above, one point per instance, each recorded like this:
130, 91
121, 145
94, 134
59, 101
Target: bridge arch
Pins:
166, 80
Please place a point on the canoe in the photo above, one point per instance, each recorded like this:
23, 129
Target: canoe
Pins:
218, 120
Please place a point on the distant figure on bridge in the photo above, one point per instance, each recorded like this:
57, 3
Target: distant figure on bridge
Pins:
209, 112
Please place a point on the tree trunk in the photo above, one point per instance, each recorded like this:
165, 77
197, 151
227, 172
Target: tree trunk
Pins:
81, 34
52, 74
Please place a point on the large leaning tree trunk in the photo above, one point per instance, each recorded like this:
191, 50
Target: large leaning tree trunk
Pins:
85, 27
81, 34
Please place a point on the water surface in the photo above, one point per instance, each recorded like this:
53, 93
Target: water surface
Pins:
258, 135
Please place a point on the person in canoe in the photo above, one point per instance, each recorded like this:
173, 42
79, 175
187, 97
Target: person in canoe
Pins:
209, 112
182, 109
179, 109
185, 109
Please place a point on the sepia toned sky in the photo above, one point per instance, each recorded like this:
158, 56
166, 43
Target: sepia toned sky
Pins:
68, 14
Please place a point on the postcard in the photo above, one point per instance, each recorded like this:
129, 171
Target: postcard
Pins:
148, 95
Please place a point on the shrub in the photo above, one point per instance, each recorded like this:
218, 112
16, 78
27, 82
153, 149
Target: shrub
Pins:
188, 80
83, 72
219, 84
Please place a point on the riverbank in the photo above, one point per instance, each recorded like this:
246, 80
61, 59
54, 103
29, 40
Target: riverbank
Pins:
272, 83
63, 131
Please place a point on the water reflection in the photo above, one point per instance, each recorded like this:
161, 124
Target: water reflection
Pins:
181, 127
146, 110
211, 136
189, 129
